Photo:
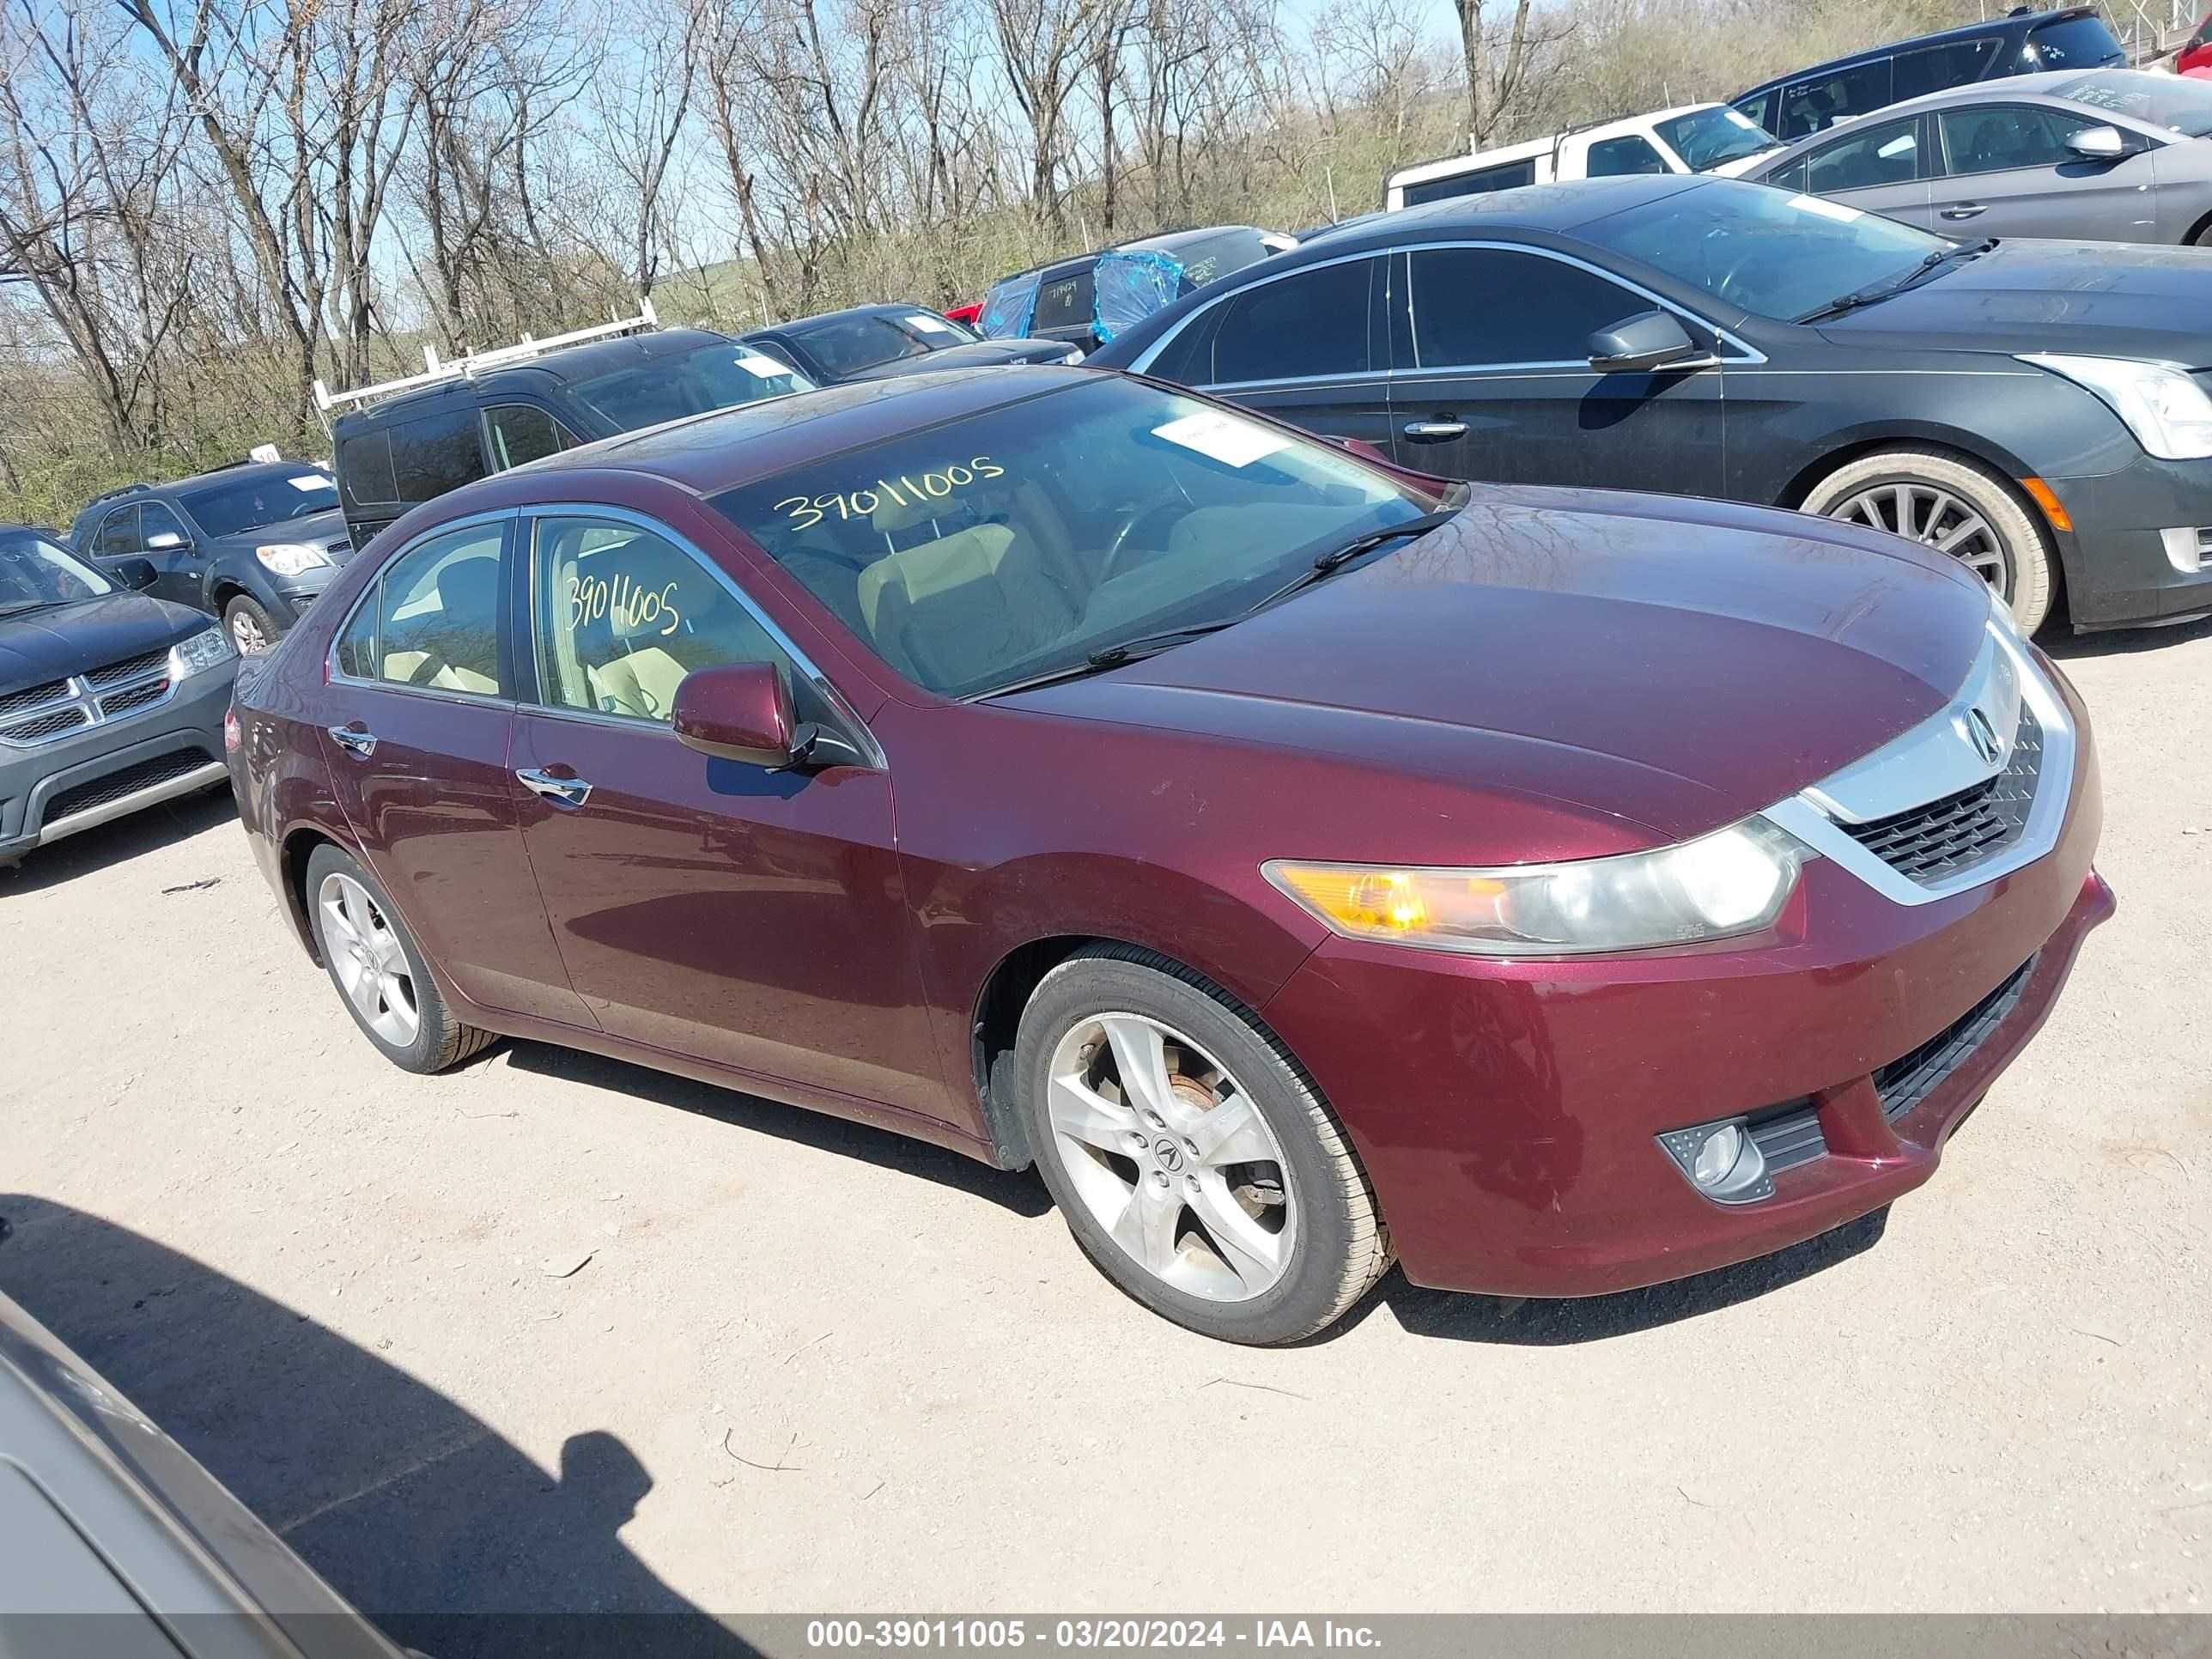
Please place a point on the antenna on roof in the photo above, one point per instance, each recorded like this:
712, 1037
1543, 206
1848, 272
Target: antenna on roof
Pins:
469, 364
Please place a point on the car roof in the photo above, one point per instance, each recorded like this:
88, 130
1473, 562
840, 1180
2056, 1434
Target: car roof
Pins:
729, 447
1482, 161
2011, 22
2005, 90
1557, 208
559, 366
887, 308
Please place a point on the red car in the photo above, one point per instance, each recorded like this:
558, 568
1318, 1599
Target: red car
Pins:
1304, 862
967, 313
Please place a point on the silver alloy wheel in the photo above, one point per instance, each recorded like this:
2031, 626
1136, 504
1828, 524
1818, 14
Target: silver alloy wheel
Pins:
246, 633
370, 963
1171, 1157
1935, 517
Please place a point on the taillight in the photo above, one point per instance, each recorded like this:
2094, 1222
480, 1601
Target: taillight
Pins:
232, 735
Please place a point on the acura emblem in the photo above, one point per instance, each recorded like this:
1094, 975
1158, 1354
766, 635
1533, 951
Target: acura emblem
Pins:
1984, 737
1170, 1155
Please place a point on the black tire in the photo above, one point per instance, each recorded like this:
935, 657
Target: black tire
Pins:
439, 1040
1340, 1246
244, 613
2029, 583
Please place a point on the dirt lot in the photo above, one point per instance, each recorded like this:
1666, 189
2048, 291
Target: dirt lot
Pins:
811, 1367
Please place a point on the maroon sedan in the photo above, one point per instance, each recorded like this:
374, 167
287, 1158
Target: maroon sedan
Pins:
1304, 863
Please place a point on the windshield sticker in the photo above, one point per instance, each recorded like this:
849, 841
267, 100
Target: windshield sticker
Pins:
906, 489
1835, 211
308, 483
1741, 120
766, 368
929, 325
1223, 438
632, 607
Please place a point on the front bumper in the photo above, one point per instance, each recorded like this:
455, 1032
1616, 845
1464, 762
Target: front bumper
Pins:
2118, 571
1507, 1112
119, 767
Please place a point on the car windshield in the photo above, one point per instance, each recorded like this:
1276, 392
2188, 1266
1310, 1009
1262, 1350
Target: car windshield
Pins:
719, 376
1020, 541
1707, 138
37, 571
847, 345
2175, 102
1762, 249
255, 503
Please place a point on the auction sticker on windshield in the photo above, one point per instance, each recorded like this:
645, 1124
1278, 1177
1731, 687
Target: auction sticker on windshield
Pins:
1835, 211
1223, 438
766, 368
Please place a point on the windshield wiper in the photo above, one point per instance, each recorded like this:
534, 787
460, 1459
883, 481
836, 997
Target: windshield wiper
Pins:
1879, 291
1337, 557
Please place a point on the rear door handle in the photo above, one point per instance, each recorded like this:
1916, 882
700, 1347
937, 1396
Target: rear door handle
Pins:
562, 791
1966, 209
352, 740
1430, 432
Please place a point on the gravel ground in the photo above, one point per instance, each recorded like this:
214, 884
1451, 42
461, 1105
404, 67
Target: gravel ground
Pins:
808, 1366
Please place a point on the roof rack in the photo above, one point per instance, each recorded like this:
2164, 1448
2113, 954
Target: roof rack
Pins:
110, 494
469, 364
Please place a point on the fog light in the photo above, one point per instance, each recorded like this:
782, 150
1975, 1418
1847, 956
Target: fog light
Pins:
1721, 1160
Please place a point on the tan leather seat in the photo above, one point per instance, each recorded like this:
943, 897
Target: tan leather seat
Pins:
459, 647
676, 617
953, 606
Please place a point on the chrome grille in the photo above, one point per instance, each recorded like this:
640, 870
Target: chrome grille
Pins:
1946, 837
62, 708
40, 728
130, 668
137, 696
13, 703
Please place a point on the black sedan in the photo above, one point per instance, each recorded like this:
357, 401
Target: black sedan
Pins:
868, 342
2038, 410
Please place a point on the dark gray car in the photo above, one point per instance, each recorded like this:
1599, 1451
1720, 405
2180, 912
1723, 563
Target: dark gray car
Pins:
2114, 155
873, 343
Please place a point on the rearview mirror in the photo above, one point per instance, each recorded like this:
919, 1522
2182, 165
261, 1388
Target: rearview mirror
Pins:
740, 712
2098, 143
1648, 340
133, 571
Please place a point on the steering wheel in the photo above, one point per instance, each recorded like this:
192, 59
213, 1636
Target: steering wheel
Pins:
1136, 518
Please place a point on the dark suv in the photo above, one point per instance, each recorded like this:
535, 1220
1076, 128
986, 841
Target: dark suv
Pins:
1809, 101
468, 423
110, 699
873, 343
254, 544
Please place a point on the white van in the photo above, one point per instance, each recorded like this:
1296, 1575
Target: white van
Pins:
1695, 138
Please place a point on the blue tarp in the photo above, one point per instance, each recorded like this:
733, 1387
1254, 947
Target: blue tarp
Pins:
1130, 287
1008, 307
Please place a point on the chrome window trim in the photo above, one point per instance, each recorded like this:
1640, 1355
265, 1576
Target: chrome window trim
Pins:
872, 750
1928, 762
1142, 362
337, 676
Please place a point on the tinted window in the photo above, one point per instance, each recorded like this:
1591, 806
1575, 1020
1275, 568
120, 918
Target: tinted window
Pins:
2073, 43
1818, 102
357, 648
365, 469
1475, 306
2010, 135
435, 454
719, 376
519, 432
847, 345
119, 532
1789, 178
1757, 107
622, 615
437, 614
1479, 183
154, 520
253, 503
1887, 153
1065, 302
1016, 540
1932, 68
1314, 323
1631, 153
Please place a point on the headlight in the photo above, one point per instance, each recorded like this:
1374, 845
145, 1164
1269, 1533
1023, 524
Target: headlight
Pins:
1074, 355
2166, 410
1733, 881
209, 648
290, 558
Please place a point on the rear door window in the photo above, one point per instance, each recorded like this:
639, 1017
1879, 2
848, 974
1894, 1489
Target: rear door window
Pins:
1887, 153
364, 462
1297, 327
436, 615
435, 454
1480, 182
1485, 307
118, 532
516, 433
1818, 103
1934, 69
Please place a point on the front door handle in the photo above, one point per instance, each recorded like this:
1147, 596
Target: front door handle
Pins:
1431, 432
1966, 209
562, 792
353, 740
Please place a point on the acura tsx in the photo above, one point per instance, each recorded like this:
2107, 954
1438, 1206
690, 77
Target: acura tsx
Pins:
1304, 863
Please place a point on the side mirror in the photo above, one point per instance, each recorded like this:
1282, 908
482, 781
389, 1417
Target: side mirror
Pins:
2099, 144
740, 712
1648, 340
162, 541
133, 571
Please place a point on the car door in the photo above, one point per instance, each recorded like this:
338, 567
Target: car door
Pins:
717, 911
116, 537
179, 564
1493, 381
2009, 172
420, 768
1305, 346
1879, 167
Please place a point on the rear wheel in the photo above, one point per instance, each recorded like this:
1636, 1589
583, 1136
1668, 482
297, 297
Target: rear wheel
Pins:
1955, 506
379, 969
253, 631
1195, 1162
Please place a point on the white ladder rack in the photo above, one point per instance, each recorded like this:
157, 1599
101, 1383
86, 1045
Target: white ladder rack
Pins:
469, 364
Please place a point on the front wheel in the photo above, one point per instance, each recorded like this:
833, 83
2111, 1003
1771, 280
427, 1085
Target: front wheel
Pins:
253, 631
1955, 506
1194, 1161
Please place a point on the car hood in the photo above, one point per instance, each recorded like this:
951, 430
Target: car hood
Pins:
2093, 299
978, 354
38, 645
325, 530
1663, 662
